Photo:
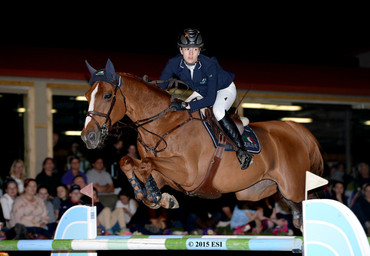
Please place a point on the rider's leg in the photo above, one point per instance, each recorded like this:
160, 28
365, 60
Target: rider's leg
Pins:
224, 100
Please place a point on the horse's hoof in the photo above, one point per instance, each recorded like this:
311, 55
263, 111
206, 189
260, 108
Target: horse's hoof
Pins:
172, 201
169, 201
154, 207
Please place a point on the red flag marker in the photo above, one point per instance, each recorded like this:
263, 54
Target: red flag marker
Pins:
88, 191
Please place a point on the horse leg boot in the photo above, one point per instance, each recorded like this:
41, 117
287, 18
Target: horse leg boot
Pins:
233, 133
153, 194
128, 166
153, 181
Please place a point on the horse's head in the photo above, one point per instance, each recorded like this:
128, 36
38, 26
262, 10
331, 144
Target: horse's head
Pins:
106, 104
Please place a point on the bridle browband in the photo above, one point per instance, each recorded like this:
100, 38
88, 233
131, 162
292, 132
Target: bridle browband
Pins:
107, 125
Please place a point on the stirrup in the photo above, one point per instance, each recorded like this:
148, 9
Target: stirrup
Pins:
136, 184
152, 189
245, 158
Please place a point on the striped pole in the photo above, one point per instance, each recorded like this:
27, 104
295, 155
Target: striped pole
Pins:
247, 243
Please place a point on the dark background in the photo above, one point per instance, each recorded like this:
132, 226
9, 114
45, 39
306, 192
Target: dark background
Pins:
314, 34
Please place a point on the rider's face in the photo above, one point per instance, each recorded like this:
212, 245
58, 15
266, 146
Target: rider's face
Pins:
190, 54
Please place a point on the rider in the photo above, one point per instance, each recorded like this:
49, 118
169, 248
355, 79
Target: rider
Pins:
212, 86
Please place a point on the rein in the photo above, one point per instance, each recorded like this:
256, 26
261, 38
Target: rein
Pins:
107, 125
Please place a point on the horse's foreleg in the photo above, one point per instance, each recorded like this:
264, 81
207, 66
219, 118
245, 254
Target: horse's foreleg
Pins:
154, 181
128, 166
154, 195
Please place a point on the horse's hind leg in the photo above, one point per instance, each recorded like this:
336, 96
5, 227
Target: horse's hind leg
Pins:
296, 211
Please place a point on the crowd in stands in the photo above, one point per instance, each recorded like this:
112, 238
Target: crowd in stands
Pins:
31, 208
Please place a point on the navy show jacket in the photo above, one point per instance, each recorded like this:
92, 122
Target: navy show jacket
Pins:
208, 78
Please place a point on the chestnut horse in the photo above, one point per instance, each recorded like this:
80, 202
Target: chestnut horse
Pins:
176, 149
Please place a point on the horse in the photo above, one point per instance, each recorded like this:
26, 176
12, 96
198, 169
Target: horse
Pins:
176, 149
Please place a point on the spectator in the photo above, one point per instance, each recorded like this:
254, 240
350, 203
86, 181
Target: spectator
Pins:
99, 177
132, 152
338, 192
2, 225
47, 177
362, 209
363, 174
62, 195
67, 178
74, 199
30, 211
110, 222
42, 192
74, 152
114, 152
7, 200
337, 172
244, 215
17, 172
79, 180
127, 204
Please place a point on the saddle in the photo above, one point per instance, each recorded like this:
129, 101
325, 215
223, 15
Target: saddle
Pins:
222, 143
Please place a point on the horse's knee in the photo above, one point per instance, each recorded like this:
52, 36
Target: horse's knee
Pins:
126, 164
145, 168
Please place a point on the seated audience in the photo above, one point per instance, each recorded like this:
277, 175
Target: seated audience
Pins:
30, 211
361, 209
99, 177
74, 199
43, 193
7, 200
17, 172
338, 192
363, 174
132, 152
127, 204
47, 177
62, 195
79, 180
67, 178
110, 222
243, 215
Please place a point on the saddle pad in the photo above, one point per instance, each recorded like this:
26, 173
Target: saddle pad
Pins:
250, 138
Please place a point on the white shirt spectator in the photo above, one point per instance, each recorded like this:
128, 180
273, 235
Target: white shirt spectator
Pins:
131, 207
6, 205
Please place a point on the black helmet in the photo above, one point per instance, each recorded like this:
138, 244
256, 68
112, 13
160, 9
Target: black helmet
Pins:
191, 38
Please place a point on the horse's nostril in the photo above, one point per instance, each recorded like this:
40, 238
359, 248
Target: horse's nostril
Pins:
92, 136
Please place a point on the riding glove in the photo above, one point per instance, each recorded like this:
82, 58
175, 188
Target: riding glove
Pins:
178, 106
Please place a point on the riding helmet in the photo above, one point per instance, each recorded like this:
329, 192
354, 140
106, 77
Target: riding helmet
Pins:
191, 38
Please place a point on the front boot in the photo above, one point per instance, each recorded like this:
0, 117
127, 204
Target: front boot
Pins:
233, 133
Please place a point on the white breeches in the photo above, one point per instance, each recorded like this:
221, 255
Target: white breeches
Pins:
224, 100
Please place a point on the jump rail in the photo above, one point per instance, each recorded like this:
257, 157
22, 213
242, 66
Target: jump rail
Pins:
240, 243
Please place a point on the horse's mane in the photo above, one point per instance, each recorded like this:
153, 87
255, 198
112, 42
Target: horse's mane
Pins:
137, 79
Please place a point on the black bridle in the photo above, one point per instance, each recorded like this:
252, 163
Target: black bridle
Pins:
107, 125
104, 129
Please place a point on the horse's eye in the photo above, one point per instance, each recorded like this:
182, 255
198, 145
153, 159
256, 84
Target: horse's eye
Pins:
107, 96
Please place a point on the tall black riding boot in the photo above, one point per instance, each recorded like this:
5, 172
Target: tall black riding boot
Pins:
233, 133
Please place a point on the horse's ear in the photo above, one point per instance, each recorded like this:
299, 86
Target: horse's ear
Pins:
90, 68
109, 68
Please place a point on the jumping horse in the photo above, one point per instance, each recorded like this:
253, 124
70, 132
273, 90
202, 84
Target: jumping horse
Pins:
176, 149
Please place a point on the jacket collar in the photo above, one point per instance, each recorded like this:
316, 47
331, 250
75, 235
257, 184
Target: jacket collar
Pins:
183, 65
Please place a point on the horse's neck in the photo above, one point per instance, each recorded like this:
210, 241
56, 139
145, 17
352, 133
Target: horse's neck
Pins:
144, 101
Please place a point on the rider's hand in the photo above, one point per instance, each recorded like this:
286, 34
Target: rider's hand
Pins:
178, 106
